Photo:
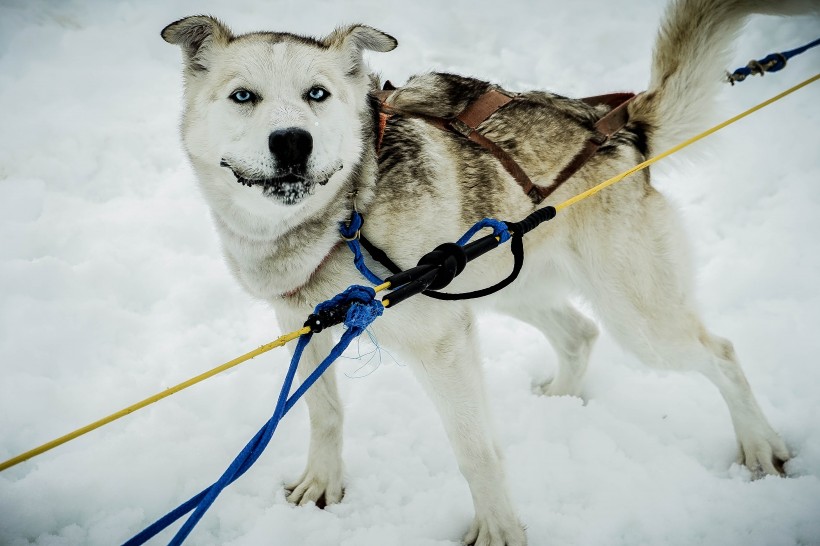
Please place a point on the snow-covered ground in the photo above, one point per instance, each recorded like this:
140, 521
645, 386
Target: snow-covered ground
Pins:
112, 287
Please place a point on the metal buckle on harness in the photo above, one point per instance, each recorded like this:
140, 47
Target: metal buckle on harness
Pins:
355, 237
358, 234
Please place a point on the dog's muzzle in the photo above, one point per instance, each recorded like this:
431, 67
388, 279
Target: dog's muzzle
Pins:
291, 181
291, 148
289, 187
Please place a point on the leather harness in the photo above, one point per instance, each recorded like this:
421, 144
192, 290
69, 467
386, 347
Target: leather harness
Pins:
466, 124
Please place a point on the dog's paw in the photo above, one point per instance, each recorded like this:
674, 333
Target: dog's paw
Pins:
764, 455
551, 387
315, 487
495, 532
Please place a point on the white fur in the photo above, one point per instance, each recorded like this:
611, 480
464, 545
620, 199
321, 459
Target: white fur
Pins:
622, 249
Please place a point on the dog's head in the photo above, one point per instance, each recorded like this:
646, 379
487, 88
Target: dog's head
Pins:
273, 116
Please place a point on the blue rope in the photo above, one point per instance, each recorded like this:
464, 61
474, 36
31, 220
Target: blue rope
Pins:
363, 311
499, 230
350, 231
773, 62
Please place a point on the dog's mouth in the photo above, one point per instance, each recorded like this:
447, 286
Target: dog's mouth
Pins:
289, 188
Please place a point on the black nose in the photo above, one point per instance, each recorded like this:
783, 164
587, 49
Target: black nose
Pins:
291, 147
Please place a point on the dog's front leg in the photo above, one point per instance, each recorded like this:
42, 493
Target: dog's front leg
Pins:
450, 369
321, 482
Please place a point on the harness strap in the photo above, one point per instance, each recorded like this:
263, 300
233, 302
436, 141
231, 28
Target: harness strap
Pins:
384, 113
483, 107
383, 117
466, 124
613, 100
604, 128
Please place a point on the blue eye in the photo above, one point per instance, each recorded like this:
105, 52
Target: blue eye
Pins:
242, 96
318, 94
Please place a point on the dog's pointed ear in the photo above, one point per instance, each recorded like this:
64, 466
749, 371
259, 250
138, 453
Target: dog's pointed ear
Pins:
197, 35
356, 38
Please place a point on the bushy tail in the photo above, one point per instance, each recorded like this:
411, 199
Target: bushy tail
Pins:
689, 61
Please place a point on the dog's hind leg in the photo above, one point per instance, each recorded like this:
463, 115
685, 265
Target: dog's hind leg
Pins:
674, 338
638, 280
321, 482
760, 447
570, 333
449, 367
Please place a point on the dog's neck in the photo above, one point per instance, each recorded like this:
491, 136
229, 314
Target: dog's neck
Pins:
272, 261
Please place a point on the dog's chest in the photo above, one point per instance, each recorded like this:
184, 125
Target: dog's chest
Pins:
270, 268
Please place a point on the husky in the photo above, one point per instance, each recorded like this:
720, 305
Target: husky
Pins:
282, 131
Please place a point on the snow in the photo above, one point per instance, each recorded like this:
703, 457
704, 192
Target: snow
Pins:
112, 287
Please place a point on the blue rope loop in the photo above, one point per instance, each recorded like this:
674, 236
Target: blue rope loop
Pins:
350, 230
364, 309
350, 233
774, 62
499, 230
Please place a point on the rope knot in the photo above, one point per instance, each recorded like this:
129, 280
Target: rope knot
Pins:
356, 307
360, 315
773, 62
770, 63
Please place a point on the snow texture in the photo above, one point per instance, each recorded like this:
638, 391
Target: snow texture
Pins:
112, 287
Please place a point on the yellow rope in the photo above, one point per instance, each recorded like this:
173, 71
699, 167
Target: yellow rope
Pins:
151, 399
278, 342
282, 340
383, 286
603, 185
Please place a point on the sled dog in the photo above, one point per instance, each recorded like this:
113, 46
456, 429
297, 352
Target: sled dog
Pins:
282, 133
